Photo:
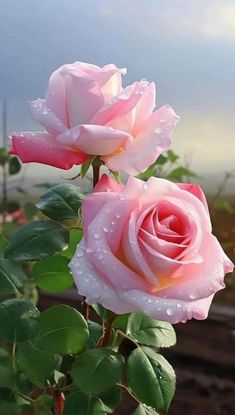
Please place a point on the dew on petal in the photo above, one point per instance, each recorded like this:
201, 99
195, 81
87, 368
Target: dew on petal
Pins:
96, 235
169, 312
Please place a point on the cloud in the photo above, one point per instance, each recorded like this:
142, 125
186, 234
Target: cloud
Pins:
208, 19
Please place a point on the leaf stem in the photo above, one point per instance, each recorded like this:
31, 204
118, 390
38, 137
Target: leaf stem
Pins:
128, 391
107, 331
25, 397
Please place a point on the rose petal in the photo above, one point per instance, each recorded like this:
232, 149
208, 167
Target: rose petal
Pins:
148, 145
197, 191
107, 184
46, 117
95, 139
42, 148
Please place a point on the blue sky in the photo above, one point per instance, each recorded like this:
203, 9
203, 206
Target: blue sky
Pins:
187, 47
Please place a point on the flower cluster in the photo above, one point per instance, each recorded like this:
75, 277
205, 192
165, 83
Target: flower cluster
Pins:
147, 246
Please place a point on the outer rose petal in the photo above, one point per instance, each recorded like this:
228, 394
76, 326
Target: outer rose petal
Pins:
196, 190
148, 145
95, 139
46, 117
107, 184
42, 148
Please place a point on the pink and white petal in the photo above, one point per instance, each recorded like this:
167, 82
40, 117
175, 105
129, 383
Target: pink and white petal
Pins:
148, 145
42, 148
145, 107
56, 97
83, 99
110, 80
201, 280
95, 139
91, 206
44, 116
91, 283
107, 184
165, 309
121, 104
197, 191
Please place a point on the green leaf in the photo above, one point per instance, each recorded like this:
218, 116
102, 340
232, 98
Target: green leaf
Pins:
3, 243
61, 202
14, 165
62, 329
151, 378
86, 165
6, 370
120, 322
53, 274
37, 240
12, 277
144, 410
149, 332
8, 405
21, 317
172, 157
78, 403
95, 331
74, 239
35, 363
96, 370
111, 397
179, 173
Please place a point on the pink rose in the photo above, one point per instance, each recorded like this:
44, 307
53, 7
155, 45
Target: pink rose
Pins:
148, 247
87, 112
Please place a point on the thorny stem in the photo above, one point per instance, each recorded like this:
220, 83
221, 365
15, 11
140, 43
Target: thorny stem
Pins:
107, 331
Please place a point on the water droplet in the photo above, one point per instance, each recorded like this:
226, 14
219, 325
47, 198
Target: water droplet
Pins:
113, 223
96, 235
158, 131
80, 254
100, 256
118, 215
150, 301
89, 250
169, 312
178, 305
45, 112
110, 128
105, 229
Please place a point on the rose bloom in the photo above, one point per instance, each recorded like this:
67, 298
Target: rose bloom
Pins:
148, 247
87, 112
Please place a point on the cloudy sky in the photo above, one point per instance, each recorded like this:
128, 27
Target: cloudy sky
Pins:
186, 46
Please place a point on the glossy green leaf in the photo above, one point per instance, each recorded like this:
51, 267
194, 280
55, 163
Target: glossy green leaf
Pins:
61, 202
78, 403
95, 332
96, 370
6, 370
37, 240
14, 165
18, 320
151, 378
75, 237
35, 363
12, 277
144, 410
150, 332
8, 404
53, 274
62, 329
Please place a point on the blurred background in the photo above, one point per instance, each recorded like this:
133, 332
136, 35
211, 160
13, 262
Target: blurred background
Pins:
188, 48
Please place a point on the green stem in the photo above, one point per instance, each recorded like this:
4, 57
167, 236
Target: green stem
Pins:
128, 391
25, 397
